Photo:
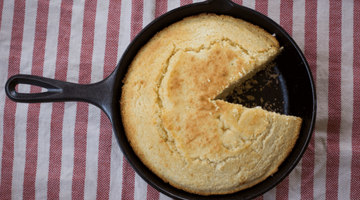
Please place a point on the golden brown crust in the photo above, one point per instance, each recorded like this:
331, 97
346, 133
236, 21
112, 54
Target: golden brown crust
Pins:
177, 126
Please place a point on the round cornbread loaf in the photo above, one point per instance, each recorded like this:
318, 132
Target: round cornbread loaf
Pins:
174, 117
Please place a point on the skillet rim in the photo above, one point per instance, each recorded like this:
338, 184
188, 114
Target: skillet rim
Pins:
212, 6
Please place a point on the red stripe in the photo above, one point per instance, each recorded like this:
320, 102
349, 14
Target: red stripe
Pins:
334, 98
286, 15
40, 40
7, 157
1, 10
310, 51
282, 190
152, 194
185, 2
82, 111
240, 2
160, 7
355, 138
128, 181
261, 6
57, 115
78, 180
87, 45
104, 160
105, 138
112, 37
32, 127
310, 47
137, 8
63, 40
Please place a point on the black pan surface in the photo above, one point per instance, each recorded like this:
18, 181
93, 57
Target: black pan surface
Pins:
290, 90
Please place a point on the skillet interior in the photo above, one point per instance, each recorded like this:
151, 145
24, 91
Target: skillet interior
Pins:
297, 91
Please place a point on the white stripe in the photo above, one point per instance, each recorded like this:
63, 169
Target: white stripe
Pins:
22, 109
19, 151
98, 57
67, 159
75, 41
249, 3
298, 33
67, 154
5, 39
295, 182
116, 170
42, 167
172, 4
322, 77
270, 195
140, 188
274, 10
92, 150
52, 34
299, 36
46, 108
164, 197
148, 12
28, 38
124, 32
346, 99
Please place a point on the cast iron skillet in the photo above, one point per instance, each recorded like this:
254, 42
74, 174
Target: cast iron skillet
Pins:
296, 91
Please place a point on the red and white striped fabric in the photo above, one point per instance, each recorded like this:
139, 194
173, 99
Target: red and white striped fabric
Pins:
68, 151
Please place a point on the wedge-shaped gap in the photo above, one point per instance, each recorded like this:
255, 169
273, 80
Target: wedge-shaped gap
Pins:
267, 89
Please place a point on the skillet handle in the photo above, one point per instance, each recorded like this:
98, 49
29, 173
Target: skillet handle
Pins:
99, 94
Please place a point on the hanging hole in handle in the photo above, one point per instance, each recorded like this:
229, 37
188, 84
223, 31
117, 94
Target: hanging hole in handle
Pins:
33, 89
30, 89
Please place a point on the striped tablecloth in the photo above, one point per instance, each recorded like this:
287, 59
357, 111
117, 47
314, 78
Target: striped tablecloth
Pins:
68, 150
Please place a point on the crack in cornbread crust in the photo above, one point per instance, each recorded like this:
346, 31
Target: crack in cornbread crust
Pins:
164, 134
220, 163
160, 102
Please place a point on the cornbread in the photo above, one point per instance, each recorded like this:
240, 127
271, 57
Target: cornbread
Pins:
174, 116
